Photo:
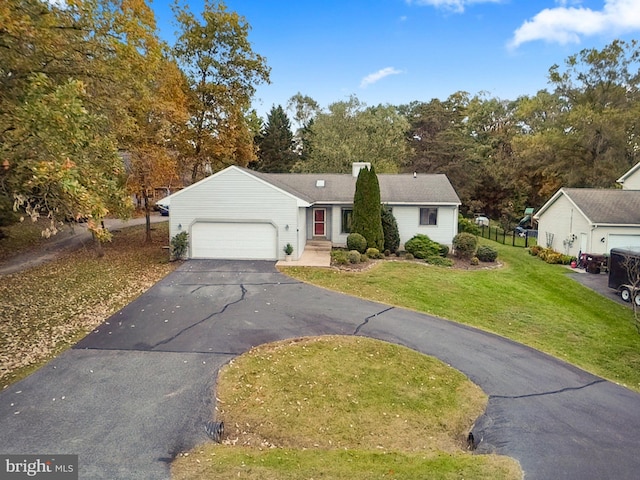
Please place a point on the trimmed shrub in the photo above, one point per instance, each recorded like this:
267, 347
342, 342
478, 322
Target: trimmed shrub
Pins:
389, 229
408, 256
340, 257
466, 225
355, 241
550, 256
464, 245
387, 253
487, 253
444, 250
354, 256
535, 250
475, 261
179, 245
373, 253
439, 261
421, 246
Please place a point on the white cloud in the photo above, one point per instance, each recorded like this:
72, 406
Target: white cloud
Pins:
379, 75
568, 24
453, 5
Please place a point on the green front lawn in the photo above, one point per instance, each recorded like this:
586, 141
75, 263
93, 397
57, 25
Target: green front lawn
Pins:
340, 407
525, 299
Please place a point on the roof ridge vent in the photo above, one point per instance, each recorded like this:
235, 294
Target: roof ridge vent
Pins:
320, 183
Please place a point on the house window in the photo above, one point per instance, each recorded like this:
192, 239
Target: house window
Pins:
428, 216
347, 219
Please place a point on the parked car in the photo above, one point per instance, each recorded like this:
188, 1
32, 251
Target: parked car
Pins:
163, 209
482, 220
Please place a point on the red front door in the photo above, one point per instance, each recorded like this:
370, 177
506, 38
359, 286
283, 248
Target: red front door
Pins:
319, 215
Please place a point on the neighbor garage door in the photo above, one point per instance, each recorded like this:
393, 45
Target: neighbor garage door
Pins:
624, 241
245, 241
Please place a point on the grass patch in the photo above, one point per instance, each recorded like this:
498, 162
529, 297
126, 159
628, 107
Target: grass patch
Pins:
48, 308
526, 300
343, 407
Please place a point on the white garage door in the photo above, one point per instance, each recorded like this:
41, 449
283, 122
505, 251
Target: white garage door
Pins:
624, 241
240, 241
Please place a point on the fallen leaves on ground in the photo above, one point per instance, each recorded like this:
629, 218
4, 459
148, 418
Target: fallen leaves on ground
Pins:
46, 309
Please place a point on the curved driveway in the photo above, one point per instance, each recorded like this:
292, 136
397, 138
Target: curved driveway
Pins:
137, 391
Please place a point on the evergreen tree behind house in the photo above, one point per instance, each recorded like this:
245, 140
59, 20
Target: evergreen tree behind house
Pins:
275, 143
366, 209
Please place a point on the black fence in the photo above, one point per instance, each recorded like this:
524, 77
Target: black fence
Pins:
523, 238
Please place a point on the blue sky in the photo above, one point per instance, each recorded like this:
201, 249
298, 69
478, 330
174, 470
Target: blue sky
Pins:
397, 51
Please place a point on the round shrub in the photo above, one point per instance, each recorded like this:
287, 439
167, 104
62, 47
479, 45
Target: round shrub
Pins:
464, 245
354, 256
387, 253
444, 251
423, 244
475, 261
373, 253
355, 241
408, 256
487, 253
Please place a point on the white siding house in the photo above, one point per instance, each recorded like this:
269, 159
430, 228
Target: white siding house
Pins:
233, 214
631, 179
241, 214
585, 220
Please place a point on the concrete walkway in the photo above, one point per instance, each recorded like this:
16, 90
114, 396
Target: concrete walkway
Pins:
315, 254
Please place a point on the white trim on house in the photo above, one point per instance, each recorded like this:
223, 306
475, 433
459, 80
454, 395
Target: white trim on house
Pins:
631, 179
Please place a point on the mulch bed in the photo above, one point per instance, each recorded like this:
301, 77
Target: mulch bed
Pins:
458, 264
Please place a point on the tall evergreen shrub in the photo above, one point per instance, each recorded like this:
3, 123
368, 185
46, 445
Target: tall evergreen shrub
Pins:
389, 229
366, 209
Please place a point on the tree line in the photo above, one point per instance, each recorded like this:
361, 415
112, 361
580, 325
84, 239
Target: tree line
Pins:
500, 155
95, 107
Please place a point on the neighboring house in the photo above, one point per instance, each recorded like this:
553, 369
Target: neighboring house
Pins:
631, 179
242, 214
588, 220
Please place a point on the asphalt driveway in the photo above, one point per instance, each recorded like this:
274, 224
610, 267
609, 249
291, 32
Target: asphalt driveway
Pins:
137, 390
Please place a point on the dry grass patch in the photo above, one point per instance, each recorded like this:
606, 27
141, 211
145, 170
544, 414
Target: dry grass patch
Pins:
46, 309
343, 407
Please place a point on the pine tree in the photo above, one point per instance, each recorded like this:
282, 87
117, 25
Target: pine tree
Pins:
366, 209
275, 143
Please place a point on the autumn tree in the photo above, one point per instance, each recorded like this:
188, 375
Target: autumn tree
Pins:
351, 132
222, 69
275, 143
151, 156
367, 220
76, 62
599, 125
56, 162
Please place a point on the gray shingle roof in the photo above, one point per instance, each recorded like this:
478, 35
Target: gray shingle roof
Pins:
618, 207
339, 188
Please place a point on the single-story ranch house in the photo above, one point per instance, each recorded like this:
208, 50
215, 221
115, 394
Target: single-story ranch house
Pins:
590, 220
242, 214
